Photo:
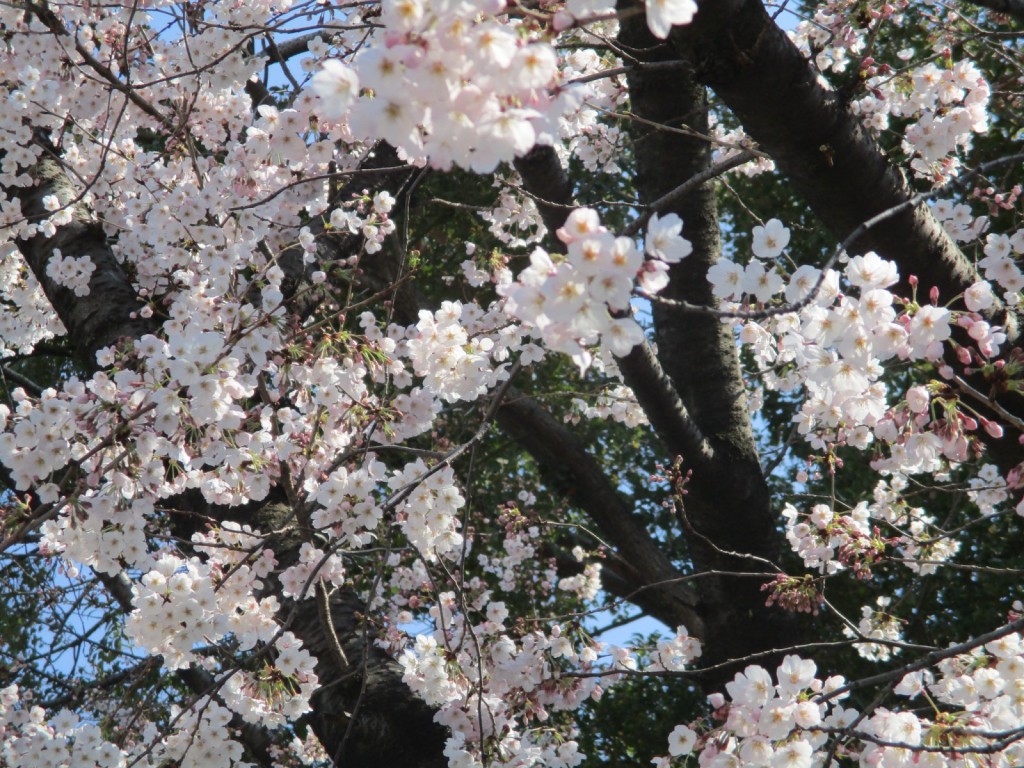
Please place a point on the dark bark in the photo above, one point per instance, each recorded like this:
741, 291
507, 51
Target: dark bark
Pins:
365, 716
838, 168
651, 581
727, 510
820, 145
363, 713
692, 391
381, 272
543, 177
549, 185
391, 724
1013, 8
109, 312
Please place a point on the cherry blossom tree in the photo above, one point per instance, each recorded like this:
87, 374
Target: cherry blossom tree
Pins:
362, 362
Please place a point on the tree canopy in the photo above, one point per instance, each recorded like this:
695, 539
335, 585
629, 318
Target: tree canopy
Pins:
369, 370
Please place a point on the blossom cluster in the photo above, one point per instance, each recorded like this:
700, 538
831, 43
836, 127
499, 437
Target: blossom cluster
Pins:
200, 738
1001, 265
583, 299
27, 317
71, 272
181, 606
942, 103
837, 36
230, 397
878, 624
795, 719
515, 221
466, 669
835, 348
618, 404
416, 94
454, 365
830, 541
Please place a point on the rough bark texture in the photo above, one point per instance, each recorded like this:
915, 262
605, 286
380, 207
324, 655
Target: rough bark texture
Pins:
381, 169
363, 714
109, 312
692, 391
391, 726
814, 138
651, 581
728, 504
834, 163
549, 184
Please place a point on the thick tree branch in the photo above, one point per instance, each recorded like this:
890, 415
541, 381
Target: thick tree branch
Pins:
1013, 8
807, 128
562, 457
110, 310
393, 725
821, 146
728, 506
373, 680
549, 442
670, 417
547, 182
380, 272
641, 368
363, 713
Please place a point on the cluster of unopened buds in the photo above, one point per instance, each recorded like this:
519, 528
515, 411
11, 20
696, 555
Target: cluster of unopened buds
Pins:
799, 594
996, 200
829, 543
930, 428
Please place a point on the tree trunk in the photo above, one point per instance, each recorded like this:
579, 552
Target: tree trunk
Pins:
727, 516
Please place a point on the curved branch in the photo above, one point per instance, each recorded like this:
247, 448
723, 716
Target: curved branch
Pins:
363, 713
815, 139
728, 516
1013, 8
563, 457
110, 311
543, 177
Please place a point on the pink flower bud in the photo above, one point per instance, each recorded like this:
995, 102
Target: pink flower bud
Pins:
1015, 477
995, 430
